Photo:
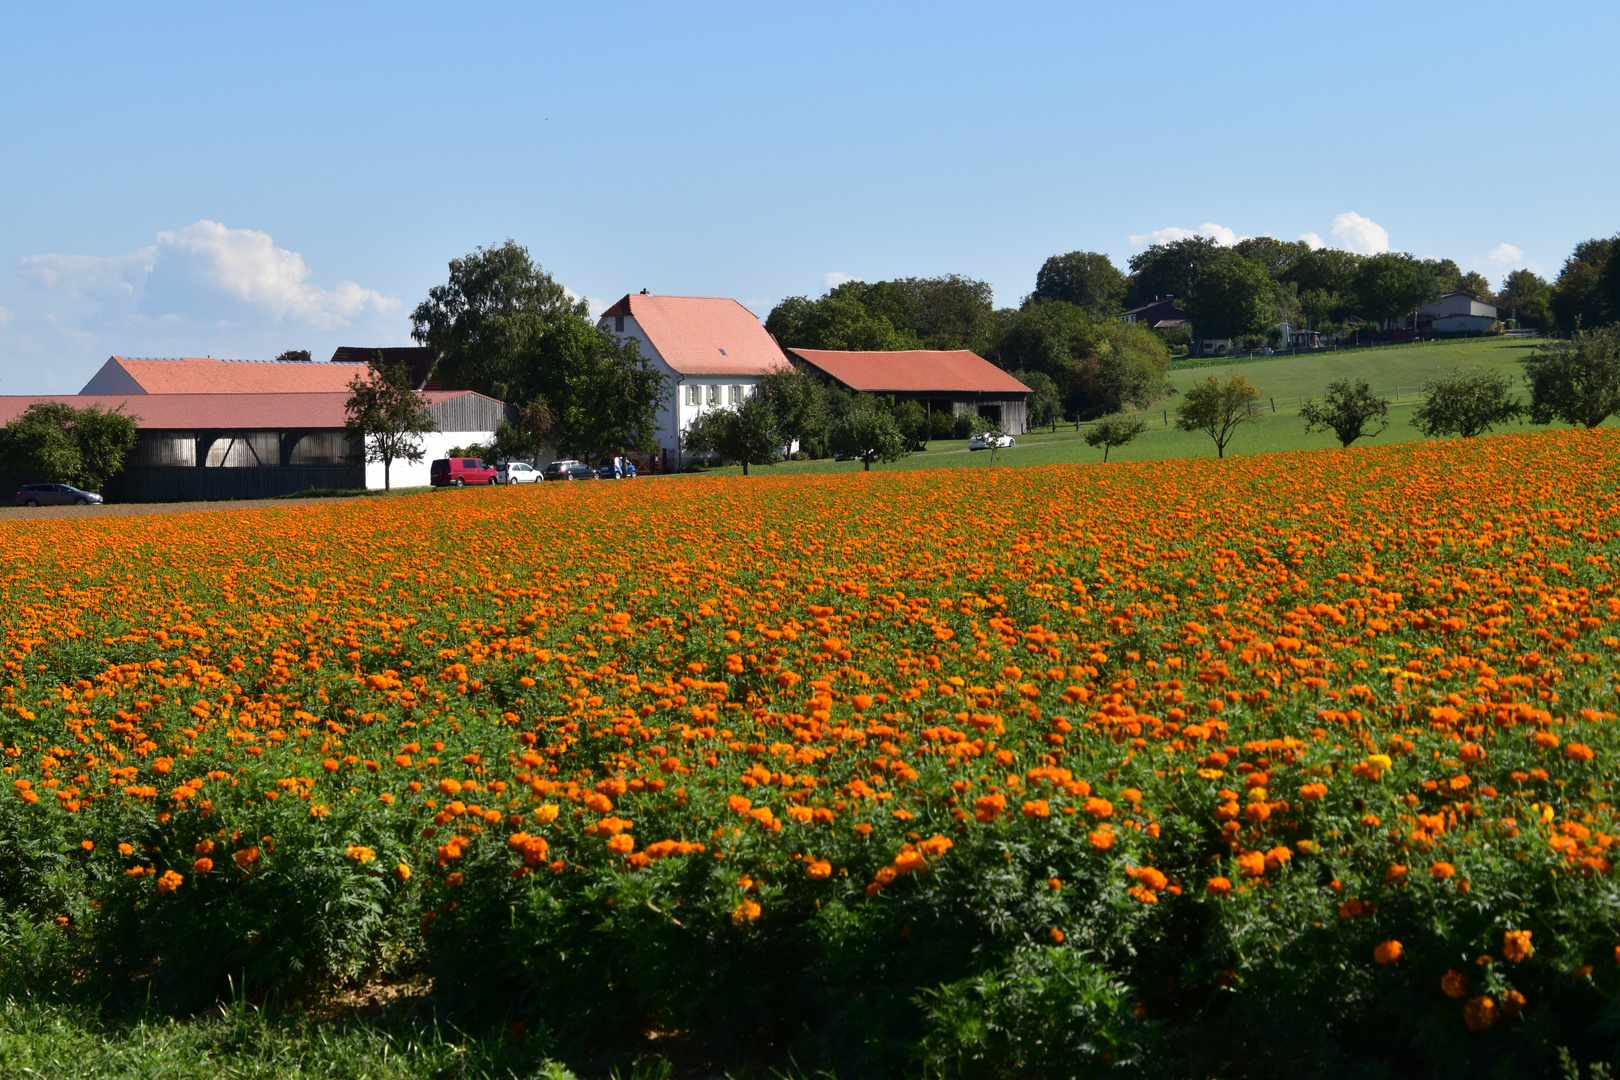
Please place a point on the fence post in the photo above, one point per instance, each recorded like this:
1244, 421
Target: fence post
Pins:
1167, 418
1273, 404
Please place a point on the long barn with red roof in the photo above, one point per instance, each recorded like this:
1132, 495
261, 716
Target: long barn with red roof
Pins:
955, 381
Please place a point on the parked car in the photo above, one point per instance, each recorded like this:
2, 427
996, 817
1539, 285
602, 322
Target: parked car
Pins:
458, 472
990, 438
518, 472
55, 495
626, 471
569, 469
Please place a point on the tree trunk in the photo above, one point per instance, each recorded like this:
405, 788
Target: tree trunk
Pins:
386, 463
745, 466
867, 462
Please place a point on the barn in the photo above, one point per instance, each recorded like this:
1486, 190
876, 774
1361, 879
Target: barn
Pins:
955, 381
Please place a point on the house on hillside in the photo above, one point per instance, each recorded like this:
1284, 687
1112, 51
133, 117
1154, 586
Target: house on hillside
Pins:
1457, 313
212, 429
1161, 314
712, 351
954, 381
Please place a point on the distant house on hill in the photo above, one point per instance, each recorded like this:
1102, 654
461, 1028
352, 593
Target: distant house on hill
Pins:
712, 350
954, 381
1161, 314
1457, 313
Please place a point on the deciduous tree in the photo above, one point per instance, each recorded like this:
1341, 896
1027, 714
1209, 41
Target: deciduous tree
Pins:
867, 431
1115, 429
1086, 279
387, 414
1576, 381
83, 447
604, 396
1230, 299
1169, 269
743, 434
1217, 409
1392, 286
1349, 409
1466, 401
294, 356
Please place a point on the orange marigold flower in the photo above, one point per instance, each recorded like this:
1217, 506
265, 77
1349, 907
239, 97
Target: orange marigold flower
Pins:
1099, 808
202, 865
1036, 808
88, 845
1387, 952
169, 882
358, 854
1513, 1003
1101, 839
935, 846
1252, 864
987, 808
1056, 935
1440, 871
909, 861
1454, 984
1312, 792
1582, 972
448, 786
1395, 873
739, 805
622, 844
1479, 1013
246, 857
745, 912
1516, 945
1578, 752
1218, 886
126, 849
818, 869
402, 872
1149, 877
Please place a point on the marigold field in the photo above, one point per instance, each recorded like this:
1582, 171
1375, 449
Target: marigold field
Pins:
1183, 768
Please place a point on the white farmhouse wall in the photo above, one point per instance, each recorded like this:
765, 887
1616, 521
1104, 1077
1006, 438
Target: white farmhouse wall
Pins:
677, 415
416, 474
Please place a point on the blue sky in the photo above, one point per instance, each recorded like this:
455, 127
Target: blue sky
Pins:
234, 180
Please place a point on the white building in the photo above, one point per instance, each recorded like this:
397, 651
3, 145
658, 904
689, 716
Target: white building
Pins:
712, 350
1459, 313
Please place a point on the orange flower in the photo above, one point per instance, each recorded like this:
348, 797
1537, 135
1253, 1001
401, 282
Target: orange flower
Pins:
1454, 984
1056, 935
1252, 864
202, 865
1101, 839
1387, 952
246, 857
1479, 1013
1036, 808
745, 912
1516, 945
935, 846
1513, 1003
1218, 886
169, 882
987, 808
622, 844
818, 870
402, 873
1440, 871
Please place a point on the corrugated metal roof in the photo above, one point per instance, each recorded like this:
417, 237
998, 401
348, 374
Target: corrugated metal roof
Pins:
912, 371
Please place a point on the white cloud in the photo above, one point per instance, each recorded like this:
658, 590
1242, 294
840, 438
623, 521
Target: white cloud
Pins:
5, 316
1312, 241
1503, 259
1361, 235
835, 278
1222, 235
211, 274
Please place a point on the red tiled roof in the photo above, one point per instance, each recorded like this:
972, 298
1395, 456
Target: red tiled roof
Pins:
912, 371
199, 375
214, 412
703, 335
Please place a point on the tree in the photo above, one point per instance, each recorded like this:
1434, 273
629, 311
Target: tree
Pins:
1115, 429
83, 447
948, 312
1466, 401
603, 395
1576, 381
1393, 285
800, 404
524, 439
1347, 411
744, 434
1526, 296
1578, 295
1446, 273
294, 356
1229, 299
1217, 409
1086, 279
1045, 402
1096, 365
1328, 270
487, 316
912, 419
388, 415
1476, 286
1277, 256
837, 321
1169, 269
867, 431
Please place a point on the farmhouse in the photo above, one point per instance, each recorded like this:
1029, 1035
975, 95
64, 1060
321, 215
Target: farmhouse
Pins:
213, 429
711, 350
955, 381
1457, 313
1161, 314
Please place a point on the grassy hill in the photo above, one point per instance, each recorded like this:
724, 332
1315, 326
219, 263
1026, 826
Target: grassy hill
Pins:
1285, 382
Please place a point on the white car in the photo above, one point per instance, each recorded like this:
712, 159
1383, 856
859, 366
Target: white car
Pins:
991, 439
517, 472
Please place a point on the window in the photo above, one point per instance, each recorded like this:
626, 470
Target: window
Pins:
734, 395
618, 324
692, 392
167, 448
714, 394
245, 450
322, 448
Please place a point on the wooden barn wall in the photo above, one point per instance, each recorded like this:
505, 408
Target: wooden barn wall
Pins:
156, 483
471, 413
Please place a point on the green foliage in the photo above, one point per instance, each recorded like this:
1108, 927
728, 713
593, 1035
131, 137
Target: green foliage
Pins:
387, 414
1527, 297
800, 403
1348, 410
294, 356
1096, 365
1279, 257
1466, 401
1576, 381
1583, 294
1475, 285
1326, 270
1217, 409
484, 321
1446, 273
942, 424
1169, 269
867, 431
912, 419
1116, 429
1392, 286
744, 434
1231, 298
950, 312
1047, 1013
1045, 400
486, 454
526, 438
1086, 279
83, 447
603, 396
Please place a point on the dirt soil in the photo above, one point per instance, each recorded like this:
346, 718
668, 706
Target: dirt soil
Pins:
29, 513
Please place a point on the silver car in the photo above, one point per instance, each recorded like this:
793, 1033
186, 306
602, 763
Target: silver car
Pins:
55, 495
517, 472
